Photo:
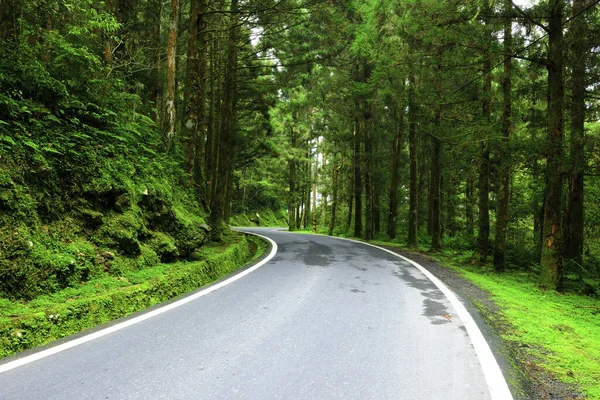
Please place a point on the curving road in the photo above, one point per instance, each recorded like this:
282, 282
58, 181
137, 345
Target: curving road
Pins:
323, 319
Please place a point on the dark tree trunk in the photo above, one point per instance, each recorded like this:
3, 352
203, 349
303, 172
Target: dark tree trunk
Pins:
551, 260
335, 172
469, 201
435, 200
368, 162
315, 169
412, 149
504, 178
483, 237
357, 180
292, 179
194, 126
424, 178
228, 128
574, 218
350, 203
449, 191
395, 183
434, 190
171, 115
229, 193
211, 128
376, 210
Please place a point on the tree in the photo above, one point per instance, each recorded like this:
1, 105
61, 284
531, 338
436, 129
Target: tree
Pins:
504, 175
551, 261
575, 215
228, 125
171, 115
195, 118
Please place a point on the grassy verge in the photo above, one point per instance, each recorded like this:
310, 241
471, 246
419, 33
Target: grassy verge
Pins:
558, 333
24, 325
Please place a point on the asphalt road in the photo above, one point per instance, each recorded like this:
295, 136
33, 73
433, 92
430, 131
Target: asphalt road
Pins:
323, 319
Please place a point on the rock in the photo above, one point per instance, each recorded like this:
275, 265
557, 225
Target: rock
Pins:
106, 254
206, 227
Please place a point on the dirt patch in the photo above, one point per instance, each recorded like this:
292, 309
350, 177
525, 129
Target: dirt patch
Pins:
527, 379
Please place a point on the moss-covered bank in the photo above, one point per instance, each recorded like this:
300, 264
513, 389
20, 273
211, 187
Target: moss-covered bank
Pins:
24, 325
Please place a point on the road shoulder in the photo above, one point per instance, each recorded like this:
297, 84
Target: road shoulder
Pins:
525, 379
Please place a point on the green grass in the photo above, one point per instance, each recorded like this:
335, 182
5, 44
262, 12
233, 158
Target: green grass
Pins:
561, 330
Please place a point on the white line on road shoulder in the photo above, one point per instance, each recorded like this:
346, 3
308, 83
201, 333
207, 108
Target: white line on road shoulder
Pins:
491, 370
98, 334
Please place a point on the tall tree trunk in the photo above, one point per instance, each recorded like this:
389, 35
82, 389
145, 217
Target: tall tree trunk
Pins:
483, 237
229, 193
194, 126
574, 218
159, 117
292, 182
323, 186
350, 202
291, 205
449, 192
469, 201
111, 7
551, 260
228, 129
504, 178
335, 172
357, 179
209, 159
171, 114
424, 178
314, 190
376, 210
368, 163
436, 173
434, 190
412, 150
538, 228
393, 194
219, 97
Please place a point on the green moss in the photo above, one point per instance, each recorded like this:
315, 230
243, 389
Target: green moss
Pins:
25, 325
164, 246
561, 329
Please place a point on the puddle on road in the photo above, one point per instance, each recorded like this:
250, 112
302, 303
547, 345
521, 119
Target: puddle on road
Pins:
317, 255
434, 306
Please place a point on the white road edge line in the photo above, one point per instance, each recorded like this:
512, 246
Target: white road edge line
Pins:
491, 370
98, 334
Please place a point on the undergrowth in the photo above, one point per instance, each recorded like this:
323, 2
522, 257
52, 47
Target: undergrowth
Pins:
26, 324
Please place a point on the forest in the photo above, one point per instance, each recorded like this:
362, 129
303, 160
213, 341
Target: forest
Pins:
134, 133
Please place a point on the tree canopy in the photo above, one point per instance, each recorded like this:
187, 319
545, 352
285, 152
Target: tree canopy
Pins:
445, 124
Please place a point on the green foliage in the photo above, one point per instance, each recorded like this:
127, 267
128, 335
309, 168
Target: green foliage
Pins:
78, 165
